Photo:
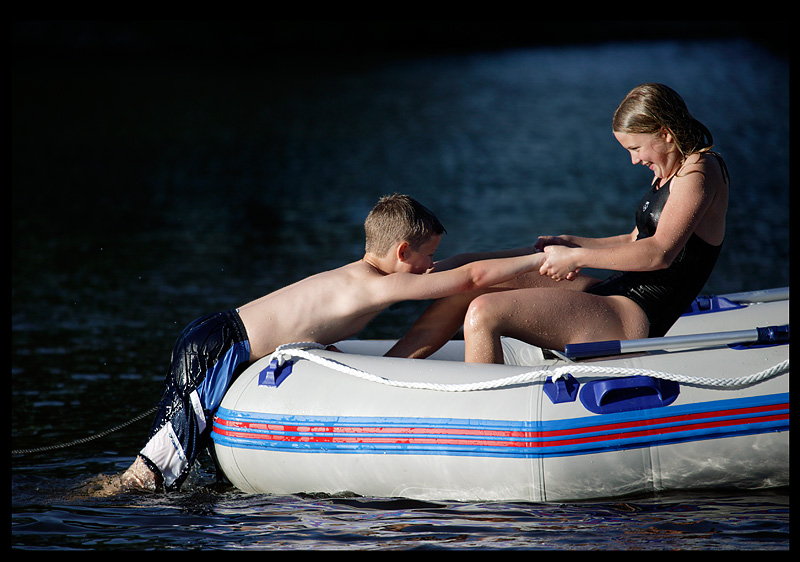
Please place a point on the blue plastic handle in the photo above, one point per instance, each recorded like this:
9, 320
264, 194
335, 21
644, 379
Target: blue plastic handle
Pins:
626, 394
273, 374
592, 349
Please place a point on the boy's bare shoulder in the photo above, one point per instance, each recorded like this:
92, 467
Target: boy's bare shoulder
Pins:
353, 275
357, 269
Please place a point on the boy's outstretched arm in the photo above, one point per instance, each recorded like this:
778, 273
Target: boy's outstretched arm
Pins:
473, 276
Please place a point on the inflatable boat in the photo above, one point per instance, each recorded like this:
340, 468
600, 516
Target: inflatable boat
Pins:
705, 406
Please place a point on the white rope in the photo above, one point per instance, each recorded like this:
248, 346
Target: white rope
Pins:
300, 350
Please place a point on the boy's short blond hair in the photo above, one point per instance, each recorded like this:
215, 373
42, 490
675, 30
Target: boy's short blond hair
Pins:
398, 218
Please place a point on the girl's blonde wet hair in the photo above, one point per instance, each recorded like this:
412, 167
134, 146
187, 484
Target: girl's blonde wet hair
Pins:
649, 107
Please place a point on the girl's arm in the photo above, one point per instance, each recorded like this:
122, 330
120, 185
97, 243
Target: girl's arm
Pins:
690, 198
584, 242
458, 260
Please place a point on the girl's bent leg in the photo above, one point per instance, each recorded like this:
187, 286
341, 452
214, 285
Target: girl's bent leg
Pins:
548, 318
442, 320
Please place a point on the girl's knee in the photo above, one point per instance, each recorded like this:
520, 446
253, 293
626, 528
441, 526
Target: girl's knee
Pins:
479, 314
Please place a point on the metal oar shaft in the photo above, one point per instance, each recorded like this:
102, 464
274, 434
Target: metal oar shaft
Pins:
766, 335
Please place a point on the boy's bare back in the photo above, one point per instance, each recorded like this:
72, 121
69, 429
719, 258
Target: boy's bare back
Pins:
324, 308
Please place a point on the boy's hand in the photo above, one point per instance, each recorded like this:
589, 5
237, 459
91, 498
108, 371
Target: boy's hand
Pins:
557, 264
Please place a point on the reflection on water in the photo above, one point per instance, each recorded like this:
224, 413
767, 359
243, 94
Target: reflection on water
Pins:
203, 519
148, 193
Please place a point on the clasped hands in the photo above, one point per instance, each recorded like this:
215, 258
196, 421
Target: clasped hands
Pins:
559, 261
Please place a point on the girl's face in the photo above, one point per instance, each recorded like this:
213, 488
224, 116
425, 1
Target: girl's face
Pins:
657, 152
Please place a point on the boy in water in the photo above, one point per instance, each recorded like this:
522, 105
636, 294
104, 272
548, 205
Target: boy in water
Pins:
401, 238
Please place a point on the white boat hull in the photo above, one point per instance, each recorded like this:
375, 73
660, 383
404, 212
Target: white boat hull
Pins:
325, 429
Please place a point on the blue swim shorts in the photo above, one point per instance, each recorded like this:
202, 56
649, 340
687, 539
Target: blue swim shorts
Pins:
208, 356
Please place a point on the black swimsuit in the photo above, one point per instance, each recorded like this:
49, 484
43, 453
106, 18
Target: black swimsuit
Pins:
663, 294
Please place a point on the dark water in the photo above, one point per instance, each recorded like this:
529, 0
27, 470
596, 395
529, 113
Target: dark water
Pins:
149, 191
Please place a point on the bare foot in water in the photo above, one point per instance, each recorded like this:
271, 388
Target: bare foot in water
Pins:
140, 477
137, 478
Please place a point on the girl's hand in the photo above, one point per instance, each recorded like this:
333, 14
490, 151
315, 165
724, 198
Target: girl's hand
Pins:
543, 241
